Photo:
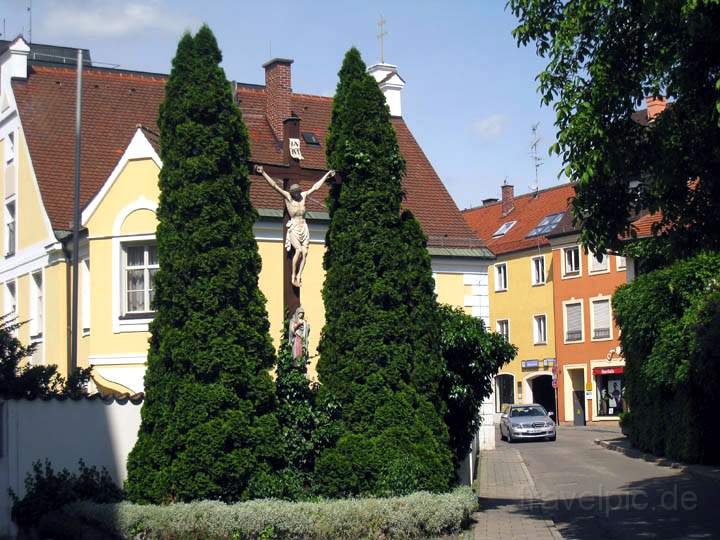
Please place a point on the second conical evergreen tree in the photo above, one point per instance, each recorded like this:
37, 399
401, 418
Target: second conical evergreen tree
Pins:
380, 354
208, 429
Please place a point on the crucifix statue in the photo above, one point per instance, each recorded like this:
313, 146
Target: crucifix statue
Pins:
297, 237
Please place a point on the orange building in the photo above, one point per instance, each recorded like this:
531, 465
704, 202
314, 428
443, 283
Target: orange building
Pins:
590, 363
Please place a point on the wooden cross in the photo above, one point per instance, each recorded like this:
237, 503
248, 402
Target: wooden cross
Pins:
381, 37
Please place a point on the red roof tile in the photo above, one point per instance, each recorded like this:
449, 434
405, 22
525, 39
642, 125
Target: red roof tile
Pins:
115, 102
529, 210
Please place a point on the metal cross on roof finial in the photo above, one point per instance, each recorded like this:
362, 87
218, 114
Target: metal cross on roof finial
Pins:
381, 37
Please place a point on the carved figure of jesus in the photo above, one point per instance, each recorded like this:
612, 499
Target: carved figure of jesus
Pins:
298, 234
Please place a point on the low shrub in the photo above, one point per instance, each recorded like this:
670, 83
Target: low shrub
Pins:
46, 491
418, 515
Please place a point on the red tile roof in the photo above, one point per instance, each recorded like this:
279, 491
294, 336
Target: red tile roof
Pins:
529, 210
115, 102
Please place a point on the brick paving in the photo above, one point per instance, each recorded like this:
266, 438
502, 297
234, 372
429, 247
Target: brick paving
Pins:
510, 506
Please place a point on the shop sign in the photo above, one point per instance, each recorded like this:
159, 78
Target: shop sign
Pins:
588, 394
588, 387
608, 370
530, 363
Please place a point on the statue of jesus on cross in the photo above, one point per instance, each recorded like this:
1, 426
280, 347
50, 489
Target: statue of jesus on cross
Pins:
298, 234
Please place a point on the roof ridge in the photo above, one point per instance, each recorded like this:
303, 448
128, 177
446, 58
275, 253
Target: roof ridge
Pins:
104, 72
521, 196
313, 96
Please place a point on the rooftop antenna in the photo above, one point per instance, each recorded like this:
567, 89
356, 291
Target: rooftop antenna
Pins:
381, 37
29, 12
537, 160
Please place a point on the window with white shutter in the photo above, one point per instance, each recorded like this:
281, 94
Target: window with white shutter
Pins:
573, 322
503, 328
501, 277
601, 319
571, 264
540, 329
596, 265
538, 270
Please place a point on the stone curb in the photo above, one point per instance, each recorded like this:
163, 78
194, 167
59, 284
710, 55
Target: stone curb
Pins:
549, 523
661, 461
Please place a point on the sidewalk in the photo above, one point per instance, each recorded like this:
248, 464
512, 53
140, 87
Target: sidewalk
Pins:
622, 445
510, 508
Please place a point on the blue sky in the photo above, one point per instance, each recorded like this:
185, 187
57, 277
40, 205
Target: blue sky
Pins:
470, 97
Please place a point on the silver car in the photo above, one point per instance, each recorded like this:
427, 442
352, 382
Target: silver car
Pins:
526, 422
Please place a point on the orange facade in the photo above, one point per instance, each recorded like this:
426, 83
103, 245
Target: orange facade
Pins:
589, 359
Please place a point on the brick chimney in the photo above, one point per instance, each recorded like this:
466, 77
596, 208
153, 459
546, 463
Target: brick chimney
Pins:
654, 106
508, 198
278, 89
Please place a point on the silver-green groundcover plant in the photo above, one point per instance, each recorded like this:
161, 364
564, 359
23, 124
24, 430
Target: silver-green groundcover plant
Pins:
417, 515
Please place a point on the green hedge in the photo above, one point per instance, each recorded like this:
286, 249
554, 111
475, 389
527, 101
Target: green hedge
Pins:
670, 322
418, 515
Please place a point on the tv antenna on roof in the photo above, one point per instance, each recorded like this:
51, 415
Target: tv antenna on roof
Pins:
29, 12
537, 160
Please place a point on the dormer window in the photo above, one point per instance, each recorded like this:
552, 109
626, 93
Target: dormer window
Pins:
504, 228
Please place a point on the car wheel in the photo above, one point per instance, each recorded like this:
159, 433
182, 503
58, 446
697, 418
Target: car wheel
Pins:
552, 438
510, 438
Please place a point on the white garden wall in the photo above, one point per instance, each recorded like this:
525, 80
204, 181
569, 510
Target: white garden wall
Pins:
102, 433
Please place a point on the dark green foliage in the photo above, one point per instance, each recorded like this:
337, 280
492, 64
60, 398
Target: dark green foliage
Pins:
208, 424
307, 425
603, 59
472, 356
380, 348
670, 322
46, 491
29, 381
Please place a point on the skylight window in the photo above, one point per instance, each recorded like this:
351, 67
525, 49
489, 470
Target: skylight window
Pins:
311, 138
504, 228
546, 225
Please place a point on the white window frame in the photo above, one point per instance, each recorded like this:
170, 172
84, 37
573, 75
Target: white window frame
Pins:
10, 218
504, 229
536, 328
123, 324
618, 265
85, 293
592, 262
593, 301
497, 277
498, 323
10, 306
533, 274
582, 320
37, 305
573, 274
10, 148
146, 267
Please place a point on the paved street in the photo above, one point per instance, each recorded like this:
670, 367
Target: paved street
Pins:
591, 492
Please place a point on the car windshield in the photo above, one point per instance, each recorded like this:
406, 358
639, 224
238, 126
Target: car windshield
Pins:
527, 411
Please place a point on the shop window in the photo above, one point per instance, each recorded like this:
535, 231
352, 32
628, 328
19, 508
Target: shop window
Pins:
571, 265
573, 322
610, 390
538, 270
601, 319
501, 277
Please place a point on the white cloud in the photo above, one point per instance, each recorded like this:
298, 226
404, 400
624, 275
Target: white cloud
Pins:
490, 128
107, 18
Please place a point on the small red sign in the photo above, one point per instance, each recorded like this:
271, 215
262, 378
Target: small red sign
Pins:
554, 383
608, 370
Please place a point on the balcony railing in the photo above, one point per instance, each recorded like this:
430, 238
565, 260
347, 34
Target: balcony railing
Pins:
573, 335
601, 333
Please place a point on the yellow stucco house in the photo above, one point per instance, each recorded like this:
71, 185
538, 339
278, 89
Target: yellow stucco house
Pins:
119, 196
521, 287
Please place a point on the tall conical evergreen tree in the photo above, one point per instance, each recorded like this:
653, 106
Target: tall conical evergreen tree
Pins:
380, 353
208, 423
